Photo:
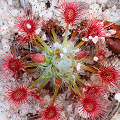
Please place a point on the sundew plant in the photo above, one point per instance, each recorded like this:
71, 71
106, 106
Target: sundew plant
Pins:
59, 60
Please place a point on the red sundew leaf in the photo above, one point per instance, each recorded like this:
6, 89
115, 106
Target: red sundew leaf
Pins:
90, 107
70, 10
94, 90
11, 65
16, 95
27, 26
95, 28
51, 113
109, 76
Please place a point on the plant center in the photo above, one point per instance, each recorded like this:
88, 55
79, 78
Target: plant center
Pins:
63, 60
63, 64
